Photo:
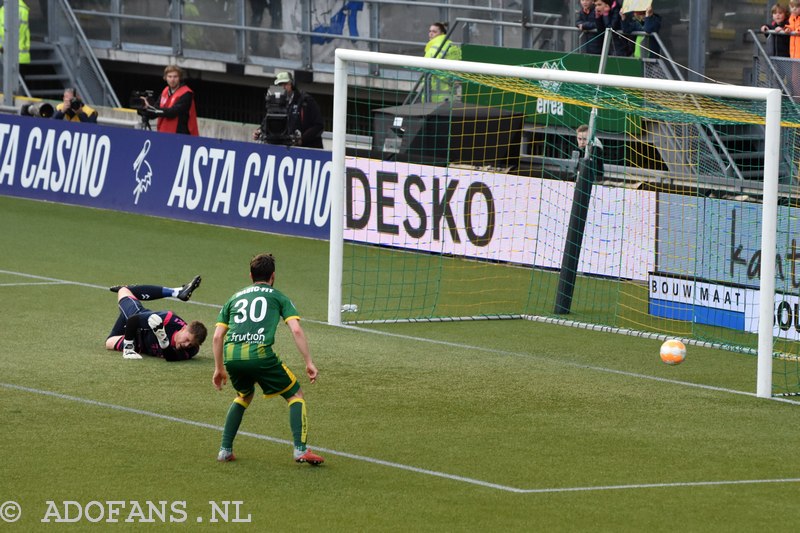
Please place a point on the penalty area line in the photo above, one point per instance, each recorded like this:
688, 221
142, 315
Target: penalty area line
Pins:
390, 464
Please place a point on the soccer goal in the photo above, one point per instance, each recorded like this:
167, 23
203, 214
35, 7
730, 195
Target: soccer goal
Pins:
482, 205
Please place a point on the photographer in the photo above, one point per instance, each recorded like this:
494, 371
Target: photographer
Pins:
73, 109
303, 123
175, 111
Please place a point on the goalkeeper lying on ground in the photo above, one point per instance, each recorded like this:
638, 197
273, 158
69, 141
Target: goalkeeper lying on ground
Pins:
159, 333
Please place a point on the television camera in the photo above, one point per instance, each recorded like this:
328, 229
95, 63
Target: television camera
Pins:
275, 125
140, 101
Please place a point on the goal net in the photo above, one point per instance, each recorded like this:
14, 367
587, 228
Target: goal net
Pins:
480, 204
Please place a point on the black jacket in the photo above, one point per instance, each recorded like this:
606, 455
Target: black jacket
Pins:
305, 116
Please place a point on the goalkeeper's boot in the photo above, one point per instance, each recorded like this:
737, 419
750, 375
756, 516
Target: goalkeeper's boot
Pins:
116, 288
307, 456
128, 351
157, 325
187, 290
225, 456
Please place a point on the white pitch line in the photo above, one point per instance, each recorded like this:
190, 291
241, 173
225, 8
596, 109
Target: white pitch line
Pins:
663, 485
399, 466
55, 280
32, 283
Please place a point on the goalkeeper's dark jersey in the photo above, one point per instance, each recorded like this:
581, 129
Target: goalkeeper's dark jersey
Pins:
146, 341
252, 316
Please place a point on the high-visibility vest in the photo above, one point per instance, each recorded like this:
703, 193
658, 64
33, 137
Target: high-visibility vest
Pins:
443, 48
24, 32
170, 124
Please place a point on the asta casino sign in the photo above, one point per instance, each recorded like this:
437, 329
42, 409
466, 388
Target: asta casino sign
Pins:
263, 187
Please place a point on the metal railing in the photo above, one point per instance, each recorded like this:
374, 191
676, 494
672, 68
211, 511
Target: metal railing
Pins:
303, 41
77, 58
771, 76
779, 73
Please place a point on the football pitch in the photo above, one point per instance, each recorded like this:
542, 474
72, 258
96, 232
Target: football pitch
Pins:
471, 426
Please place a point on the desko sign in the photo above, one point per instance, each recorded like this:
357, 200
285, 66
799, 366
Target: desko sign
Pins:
490, 216
423, 210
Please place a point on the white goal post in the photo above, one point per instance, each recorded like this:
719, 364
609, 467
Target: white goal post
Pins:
346, 59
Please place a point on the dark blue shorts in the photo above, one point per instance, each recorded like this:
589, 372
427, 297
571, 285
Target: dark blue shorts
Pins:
128, 307
131, 306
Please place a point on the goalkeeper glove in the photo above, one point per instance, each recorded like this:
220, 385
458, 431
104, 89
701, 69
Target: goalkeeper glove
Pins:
157, 325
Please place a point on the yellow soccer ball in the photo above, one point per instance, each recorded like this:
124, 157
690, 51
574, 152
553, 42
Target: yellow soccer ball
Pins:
673, 352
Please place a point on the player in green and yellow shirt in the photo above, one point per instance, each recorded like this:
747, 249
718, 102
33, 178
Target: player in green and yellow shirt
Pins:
242, 345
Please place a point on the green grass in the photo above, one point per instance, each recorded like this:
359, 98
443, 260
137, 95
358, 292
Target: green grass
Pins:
424, 425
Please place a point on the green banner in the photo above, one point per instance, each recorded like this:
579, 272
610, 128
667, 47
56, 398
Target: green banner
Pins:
546, 112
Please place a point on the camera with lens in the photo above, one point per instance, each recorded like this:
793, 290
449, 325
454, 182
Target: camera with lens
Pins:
275, 126
41, 109
136, 101
75, 103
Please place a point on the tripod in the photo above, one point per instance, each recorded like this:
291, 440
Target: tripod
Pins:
144, 120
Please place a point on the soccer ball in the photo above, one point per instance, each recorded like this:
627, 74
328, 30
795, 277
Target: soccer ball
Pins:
673, 352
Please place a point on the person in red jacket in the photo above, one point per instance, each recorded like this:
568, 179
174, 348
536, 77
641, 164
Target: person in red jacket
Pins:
176, 112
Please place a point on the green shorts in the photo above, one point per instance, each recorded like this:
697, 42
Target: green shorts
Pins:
273, 377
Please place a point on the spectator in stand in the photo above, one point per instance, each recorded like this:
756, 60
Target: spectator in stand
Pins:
777, 43
440, 89
793, 27
24, 32
591, 41
73, 109
176, 111
608, 17
641, 21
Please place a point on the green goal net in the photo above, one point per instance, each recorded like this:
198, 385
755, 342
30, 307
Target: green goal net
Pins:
484, 205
